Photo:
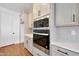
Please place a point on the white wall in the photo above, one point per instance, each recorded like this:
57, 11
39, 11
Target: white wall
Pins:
9, 24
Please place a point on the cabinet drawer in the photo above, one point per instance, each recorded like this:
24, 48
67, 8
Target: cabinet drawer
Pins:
63, 52
37, 52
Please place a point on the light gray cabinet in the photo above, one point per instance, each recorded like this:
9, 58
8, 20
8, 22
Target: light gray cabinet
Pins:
66, 14
59, 51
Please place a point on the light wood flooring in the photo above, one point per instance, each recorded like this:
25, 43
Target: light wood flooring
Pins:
14, 50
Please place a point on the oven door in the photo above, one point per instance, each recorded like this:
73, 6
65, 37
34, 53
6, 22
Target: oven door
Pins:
41, 41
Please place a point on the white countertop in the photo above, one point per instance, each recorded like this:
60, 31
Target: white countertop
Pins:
68, 45
29, 35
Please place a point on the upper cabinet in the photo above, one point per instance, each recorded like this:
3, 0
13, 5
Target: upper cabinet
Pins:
45, 8
30, 19
66, 14
40, 9
36, 10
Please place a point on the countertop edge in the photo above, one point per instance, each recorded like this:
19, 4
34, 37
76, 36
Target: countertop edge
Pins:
65, 47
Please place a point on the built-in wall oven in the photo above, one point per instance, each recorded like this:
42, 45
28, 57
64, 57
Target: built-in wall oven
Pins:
41, 35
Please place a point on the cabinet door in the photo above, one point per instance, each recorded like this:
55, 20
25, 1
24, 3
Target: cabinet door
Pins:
26, 43
30, 45
77, 13
64, 14
30, 19
36, 10
45, 8
38, 52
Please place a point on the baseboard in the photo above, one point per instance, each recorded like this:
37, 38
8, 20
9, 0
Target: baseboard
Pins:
10, 44
6, 45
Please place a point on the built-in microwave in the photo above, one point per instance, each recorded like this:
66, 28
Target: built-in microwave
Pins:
41, 23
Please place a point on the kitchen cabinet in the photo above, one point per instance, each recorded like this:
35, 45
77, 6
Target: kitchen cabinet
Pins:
30, 19
36, 10
59, 51
37, 52
45, 8
40, 9
28, 43
25, 42
66, 14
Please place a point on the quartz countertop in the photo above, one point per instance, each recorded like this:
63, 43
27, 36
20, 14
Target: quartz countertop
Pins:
73, 46
29, 35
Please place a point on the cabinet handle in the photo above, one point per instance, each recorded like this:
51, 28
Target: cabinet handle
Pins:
39, 13
63, 52
27, 41
38, 55
73, 18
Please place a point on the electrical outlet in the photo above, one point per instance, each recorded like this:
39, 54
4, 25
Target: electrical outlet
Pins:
73, 32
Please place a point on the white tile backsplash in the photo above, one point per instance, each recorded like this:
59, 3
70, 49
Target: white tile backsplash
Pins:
67, 34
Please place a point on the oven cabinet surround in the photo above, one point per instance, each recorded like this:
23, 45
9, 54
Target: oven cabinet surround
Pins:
38, 52
28, 43
66, 14
40, 9
60, 51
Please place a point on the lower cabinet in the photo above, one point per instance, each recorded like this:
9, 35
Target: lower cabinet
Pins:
37, 52
28, 43
59, 51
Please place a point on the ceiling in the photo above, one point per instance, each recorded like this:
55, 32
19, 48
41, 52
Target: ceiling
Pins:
18, 7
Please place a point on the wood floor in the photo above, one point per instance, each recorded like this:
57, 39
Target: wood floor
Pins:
14, 50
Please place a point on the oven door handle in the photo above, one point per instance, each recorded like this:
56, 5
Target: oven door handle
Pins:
41, 34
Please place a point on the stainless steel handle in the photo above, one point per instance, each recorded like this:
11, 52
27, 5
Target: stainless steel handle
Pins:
39, 13
44, 34
73, 18
38, 54
13, 33
27, 41
63, 52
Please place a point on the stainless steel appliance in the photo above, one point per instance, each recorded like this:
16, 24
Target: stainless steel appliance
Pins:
41, 35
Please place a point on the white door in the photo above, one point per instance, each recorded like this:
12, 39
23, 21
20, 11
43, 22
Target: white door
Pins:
8, 29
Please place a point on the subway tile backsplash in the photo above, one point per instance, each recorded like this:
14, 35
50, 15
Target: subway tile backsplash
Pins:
66, 34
